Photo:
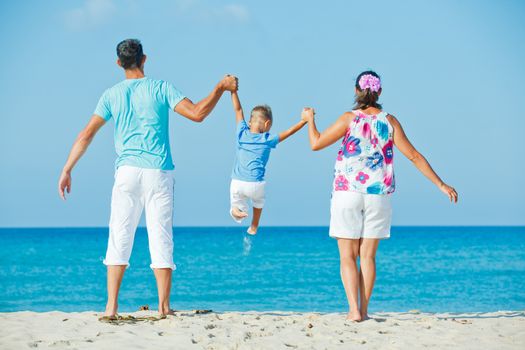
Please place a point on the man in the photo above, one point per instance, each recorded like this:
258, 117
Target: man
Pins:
144, 169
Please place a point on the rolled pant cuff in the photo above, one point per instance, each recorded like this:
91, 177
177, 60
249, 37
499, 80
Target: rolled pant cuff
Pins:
163, 266
115, 263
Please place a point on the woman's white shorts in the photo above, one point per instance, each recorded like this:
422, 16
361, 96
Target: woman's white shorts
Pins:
136, 189
243, 191
355, 215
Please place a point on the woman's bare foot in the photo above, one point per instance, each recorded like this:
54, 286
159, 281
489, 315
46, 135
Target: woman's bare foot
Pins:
238, 214
252, 230
364, 314
354, 316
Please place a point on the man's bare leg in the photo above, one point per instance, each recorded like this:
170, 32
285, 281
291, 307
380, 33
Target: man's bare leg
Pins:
115, 275
163, 277
255, 221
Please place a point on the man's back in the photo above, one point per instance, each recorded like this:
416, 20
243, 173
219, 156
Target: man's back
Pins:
140, 108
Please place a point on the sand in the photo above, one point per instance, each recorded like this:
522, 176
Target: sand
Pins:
264, 330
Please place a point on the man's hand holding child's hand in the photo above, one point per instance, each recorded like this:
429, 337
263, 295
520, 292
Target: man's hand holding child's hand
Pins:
229, 83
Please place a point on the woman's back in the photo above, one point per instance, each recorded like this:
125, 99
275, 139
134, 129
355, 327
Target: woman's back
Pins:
365, 160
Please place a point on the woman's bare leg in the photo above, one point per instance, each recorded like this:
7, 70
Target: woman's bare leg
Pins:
115, 275
348, 252
255, 221
367, 260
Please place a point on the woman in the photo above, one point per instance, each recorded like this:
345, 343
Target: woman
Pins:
360, 213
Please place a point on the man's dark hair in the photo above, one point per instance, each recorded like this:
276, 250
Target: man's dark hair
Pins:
130, 53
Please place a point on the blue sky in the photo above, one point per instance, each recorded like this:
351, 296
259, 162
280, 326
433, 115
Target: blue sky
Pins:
453, 74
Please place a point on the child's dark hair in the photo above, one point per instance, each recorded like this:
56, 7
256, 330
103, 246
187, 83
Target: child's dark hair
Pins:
365, 98
263, 111
130, 53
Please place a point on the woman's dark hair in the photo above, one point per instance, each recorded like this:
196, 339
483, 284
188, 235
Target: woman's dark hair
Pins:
366, 98
130, 53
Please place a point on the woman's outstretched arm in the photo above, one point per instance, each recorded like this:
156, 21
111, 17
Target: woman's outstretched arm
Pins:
403, 144
320, 140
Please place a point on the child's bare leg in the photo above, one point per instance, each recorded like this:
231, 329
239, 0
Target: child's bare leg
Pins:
255, 221
238, 214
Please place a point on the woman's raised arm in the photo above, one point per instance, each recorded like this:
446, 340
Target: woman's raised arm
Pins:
329, 136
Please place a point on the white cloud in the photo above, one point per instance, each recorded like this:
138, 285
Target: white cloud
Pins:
93, 13
239, 12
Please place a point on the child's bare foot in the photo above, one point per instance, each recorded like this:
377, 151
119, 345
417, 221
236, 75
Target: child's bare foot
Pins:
252, 230
238, 214
354, 316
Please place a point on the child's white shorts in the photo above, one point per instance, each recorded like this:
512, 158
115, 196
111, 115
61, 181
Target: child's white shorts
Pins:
136, 189
355, 215
243, 191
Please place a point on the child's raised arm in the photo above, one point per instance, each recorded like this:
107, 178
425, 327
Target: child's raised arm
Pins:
239, 115
287, 133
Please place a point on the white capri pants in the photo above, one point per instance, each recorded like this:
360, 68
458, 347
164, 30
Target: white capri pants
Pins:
243, 191
136, 189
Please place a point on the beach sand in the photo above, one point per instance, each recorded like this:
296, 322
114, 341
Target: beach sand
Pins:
264, 330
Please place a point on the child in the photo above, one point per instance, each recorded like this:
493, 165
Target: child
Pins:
360, 212
254, 144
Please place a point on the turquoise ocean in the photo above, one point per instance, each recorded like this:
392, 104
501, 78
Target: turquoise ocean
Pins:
433, 269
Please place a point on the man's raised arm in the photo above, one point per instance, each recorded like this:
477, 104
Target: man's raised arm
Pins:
80, 146
197, 112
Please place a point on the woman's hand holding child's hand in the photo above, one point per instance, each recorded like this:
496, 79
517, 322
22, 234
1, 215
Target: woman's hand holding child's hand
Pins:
307, 114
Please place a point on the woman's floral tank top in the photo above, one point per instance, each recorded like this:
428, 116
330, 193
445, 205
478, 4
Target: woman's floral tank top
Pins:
365, 161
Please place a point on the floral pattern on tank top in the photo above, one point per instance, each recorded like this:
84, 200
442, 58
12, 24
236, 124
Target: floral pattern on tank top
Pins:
365, 161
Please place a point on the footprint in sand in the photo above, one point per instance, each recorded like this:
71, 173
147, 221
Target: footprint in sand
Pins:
60, 343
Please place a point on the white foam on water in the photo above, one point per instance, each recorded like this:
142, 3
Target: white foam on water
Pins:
246, 244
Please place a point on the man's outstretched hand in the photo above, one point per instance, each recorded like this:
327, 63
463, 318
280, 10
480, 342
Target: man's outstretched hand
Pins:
64, 184
229, 83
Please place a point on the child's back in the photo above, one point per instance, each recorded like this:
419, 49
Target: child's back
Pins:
254, 145
253, 152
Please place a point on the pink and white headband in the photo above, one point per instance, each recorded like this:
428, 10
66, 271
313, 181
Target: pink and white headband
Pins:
368, 81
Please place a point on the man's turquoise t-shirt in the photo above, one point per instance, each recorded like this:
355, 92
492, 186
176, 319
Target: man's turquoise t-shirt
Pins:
253, 152
140, 109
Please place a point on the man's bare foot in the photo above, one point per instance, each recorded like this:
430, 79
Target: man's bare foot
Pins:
354, 316
111, 310
252, 230
238, 214
165, 312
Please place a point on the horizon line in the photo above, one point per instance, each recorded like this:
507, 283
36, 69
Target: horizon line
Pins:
265, 226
